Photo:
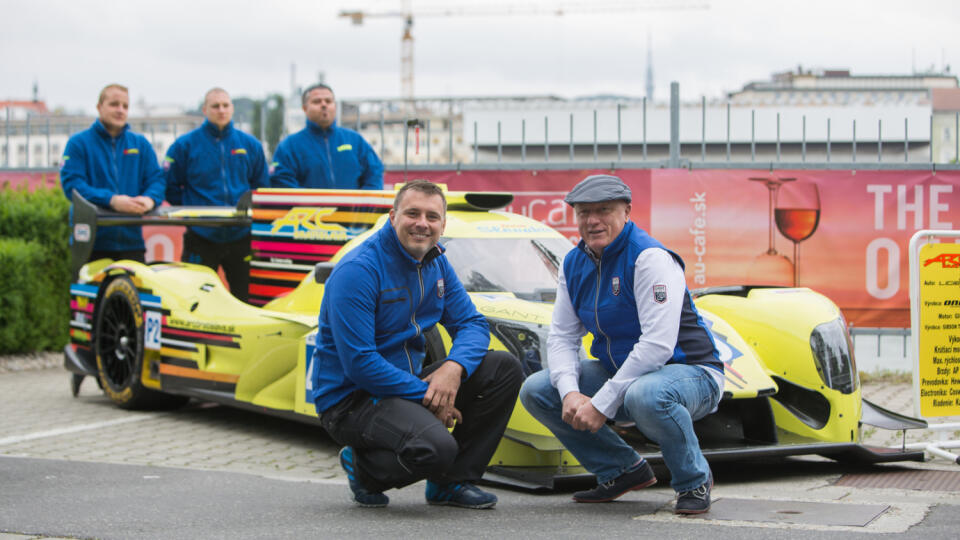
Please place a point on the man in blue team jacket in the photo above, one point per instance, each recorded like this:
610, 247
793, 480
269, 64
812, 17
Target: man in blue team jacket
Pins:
656, 363
114, 168
324, 155
366, 379
214, 165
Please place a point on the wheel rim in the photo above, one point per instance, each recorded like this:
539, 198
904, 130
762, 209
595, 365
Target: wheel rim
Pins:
118, 341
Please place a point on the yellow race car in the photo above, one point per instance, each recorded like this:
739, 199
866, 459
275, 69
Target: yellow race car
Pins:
155, 335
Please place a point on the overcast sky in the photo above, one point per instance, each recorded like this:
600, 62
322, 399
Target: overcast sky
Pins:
172, 51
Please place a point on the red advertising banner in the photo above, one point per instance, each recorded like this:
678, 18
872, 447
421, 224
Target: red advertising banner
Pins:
842, 233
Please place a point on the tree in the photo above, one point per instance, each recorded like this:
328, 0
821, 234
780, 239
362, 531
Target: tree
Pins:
270, 133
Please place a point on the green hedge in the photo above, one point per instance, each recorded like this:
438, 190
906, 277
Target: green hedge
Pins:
35, 265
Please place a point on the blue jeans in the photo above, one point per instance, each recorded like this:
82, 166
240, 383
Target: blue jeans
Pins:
663, 404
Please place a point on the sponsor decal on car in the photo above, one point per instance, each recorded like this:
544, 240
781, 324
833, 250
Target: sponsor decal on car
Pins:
81, 232
306, 223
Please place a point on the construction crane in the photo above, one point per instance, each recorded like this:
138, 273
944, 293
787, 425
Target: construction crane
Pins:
406, 13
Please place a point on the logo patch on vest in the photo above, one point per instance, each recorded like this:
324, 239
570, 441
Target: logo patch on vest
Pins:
616, 286
660, 293
440, 288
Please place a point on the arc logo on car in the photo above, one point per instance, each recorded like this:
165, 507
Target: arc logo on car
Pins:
307, 223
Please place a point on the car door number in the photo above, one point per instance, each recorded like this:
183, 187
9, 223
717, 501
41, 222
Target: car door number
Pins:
151, 331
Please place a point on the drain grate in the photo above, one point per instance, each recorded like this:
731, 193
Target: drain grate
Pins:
912, 479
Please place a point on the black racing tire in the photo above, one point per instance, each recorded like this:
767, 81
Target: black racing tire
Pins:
118, 346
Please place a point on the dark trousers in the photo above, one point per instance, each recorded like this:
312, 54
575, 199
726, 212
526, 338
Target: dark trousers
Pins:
233, 256
132, 254
398, 442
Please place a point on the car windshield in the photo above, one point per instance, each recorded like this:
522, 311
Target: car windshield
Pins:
526, 267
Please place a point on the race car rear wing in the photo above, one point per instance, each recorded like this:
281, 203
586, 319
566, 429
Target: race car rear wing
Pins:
292, 229
88, 217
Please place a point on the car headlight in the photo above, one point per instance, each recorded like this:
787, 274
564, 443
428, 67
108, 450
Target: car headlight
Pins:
833, 356
525, 341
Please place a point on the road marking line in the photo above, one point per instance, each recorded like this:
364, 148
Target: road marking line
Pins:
73, 429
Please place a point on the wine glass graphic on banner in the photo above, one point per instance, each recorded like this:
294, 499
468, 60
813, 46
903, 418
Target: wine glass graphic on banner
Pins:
771, 267
797, 215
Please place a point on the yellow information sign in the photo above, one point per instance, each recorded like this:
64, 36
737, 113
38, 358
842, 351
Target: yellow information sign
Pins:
938, 362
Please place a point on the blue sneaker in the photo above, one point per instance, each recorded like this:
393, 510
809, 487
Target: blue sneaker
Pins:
463, 495
360, 494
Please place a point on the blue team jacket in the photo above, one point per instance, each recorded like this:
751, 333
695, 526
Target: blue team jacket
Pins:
332, 158
376, 305
608, 309
99, 166
213, 167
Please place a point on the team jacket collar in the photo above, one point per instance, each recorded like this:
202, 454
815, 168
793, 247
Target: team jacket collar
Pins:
216, 132
315, 128
102, 130
614, 248
392, 243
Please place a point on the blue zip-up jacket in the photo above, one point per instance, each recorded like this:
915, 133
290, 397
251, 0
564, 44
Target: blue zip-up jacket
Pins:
611, 316
332, 158
213, 167
377, 303
99, 166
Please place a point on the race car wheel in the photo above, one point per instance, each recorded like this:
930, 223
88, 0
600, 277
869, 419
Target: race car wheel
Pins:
118, 347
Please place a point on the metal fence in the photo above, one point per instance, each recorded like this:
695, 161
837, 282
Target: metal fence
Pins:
635, 134
614, 133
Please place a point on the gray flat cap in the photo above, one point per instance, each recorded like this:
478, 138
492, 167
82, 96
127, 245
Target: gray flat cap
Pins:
598, 188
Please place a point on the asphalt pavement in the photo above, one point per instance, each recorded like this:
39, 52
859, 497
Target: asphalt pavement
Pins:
81, 468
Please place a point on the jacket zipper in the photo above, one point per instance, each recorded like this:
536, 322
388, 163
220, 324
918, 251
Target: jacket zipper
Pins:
596, 314
115, 163
326, 144
223, 176
413, 317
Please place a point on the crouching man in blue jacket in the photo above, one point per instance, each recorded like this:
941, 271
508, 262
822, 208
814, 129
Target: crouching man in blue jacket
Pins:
366, 376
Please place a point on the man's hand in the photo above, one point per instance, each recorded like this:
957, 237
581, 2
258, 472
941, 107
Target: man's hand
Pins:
451, 417
131, 205
571, 404
579, 412
588, 418
442, 392
146, 202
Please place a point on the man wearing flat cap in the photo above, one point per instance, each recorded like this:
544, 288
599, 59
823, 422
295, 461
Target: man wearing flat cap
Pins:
655, 361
